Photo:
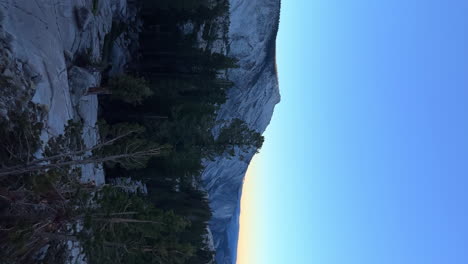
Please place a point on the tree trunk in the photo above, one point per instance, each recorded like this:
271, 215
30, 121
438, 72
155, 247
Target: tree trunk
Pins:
98, 90
126, 220
88, 160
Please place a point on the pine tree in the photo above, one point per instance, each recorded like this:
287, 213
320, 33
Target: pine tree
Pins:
125, 88
127, 228
238, 134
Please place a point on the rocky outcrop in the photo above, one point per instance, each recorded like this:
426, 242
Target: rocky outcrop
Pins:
38, 42
252, 34
46, 36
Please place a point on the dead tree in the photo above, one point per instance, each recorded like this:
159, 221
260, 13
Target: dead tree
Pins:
131, 153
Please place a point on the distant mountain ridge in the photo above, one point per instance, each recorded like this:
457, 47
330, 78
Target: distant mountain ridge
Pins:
252, 40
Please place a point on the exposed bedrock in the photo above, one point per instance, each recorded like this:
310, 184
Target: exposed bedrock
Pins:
252, 34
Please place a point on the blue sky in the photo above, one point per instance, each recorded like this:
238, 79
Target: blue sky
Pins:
366, 158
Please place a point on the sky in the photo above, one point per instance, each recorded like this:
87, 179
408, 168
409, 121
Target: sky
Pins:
366, 158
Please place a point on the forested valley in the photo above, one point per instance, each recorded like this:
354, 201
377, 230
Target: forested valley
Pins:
156, 125
186, 87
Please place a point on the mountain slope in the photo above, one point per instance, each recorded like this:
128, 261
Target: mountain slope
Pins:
252, 35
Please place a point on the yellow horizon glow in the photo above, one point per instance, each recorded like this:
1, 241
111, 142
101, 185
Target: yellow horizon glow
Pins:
248, 231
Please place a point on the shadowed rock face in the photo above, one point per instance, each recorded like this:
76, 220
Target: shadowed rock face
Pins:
252, 33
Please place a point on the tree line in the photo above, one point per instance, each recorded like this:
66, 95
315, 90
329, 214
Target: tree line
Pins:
156, 126
172, 91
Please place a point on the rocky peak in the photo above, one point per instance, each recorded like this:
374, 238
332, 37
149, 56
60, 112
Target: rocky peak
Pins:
252, 35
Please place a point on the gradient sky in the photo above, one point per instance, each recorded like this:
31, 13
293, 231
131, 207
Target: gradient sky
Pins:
366, 158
